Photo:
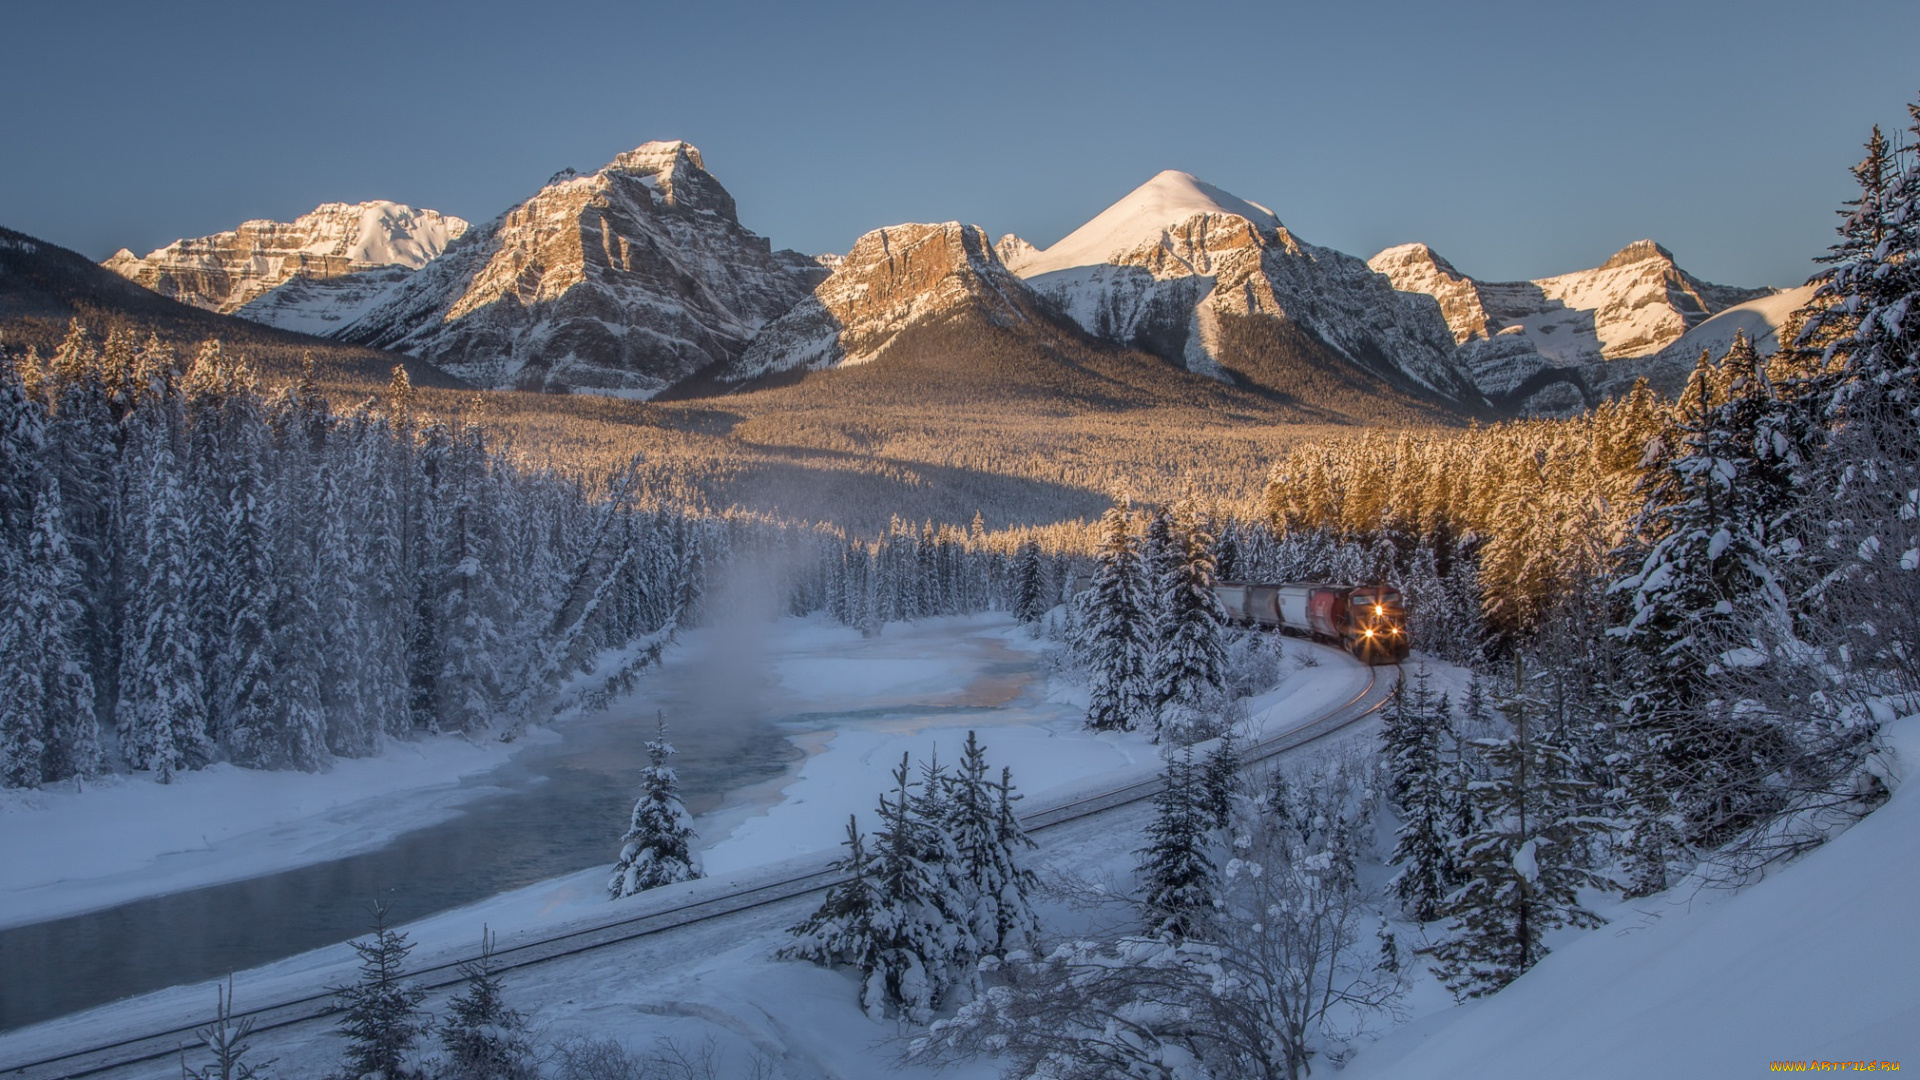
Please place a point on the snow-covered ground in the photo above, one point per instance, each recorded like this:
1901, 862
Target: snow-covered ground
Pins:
1820, 962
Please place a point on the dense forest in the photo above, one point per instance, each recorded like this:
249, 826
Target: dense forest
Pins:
198, 570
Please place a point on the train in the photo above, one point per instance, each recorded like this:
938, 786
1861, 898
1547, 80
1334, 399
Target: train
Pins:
1369, 621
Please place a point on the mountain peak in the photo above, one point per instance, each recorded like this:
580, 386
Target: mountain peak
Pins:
1638, 251
1402, 255
1142, 217
659, 156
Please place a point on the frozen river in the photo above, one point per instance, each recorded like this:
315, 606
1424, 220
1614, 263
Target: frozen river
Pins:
740, 706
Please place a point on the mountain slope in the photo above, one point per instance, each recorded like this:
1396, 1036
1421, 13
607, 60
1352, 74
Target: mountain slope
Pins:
892, 279
625, 281
1168, 266
43, 287
245, 271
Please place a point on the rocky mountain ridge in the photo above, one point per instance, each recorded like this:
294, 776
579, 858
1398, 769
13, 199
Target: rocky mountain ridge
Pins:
624, 281
891, 279
1558, 343
1162, 268
296, 274
639, 279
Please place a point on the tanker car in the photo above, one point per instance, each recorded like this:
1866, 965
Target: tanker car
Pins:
1369, 621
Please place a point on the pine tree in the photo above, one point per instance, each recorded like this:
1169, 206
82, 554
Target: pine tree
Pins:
932, 944
1415, 724
380, 1013
658, 846
1029, 584
162, 717
1220, 782
53, 594
1522, 864
22, 695
989, 845
1187, 669
483, 1039
897, 918
226, 1039
469, 640
1115, 629
1177, 877
848, 927
1705, 585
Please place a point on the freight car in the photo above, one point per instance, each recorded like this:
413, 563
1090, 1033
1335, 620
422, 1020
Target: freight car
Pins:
1369, 621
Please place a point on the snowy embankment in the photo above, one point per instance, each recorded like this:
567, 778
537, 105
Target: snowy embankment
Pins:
127, 837
1818, 962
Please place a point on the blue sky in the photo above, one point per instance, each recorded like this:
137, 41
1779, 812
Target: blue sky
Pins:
1518, 139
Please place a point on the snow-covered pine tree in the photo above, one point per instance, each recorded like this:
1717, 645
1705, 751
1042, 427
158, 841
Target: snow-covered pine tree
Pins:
1220, 782
380, 1012
482, 1038
847, 927
1858, 582
161, 715
1029, 584
1177, 877
22, 696
53, 594
295, 734
1415, 726
1115, 628
469, 616
658, 846
990, 847
1226, 551
1705, 584
925, 884
1188, 665
1521, 866
896, 919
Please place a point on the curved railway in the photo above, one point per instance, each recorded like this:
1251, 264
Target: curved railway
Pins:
167, 1044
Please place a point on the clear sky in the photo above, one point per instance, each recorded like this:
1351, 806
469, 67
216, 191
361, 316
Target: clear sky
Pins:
1519, 139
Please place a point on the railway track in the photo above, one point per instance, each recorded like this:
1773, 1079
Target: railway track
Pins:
167, 1044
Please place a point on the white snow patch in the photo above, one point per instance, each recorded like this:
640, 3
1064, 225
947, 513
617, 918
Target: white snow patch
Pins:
1149, 210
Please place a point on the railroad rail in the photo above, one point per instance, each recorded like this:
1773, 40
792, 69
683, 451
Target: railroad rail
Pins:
168, 1044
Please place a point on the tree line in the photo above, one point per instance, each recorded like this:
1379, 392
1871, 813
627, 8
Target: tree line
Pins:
196, 569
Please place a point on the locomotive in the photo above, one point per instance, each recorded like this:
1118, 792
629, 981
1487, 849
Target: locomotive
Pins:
1369, 621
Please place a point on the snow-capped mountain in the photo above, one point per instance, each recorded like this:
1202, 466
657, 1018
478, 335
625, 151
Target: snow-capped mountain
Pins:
892, 279
623, 281
1561, 342
309, 274
1636, 303
1168, 266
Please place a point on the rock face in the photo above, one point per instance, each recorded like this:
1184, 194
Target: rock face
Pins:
1162, 268
625, 281
332, 263
1418, 268
1557, 344
892, 279
1636, 303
